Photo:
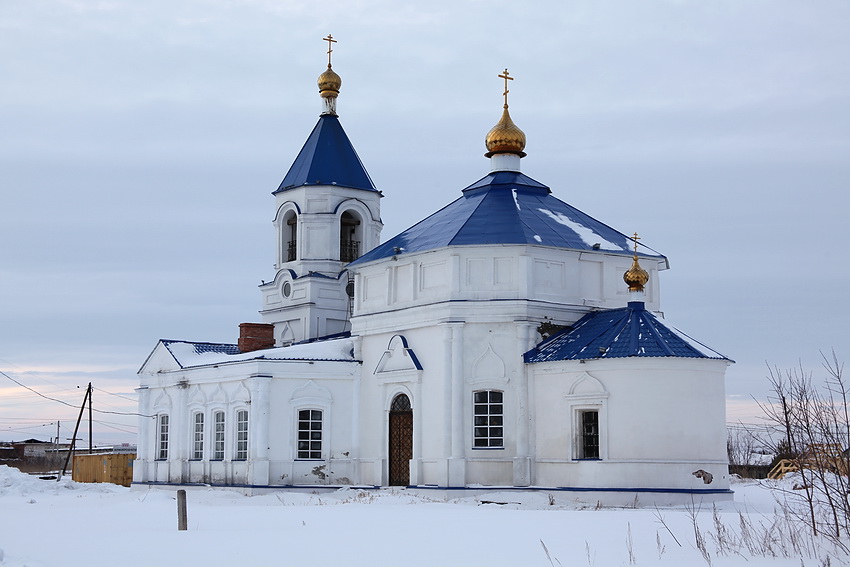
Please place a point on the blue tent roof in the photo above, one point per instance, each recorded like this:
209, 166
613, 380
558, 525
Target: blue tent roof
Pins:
619, 333
327, 158
506, 207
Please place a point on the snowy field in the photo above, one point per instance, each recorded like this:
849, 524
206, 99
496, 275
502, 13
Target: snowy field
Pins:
49, 523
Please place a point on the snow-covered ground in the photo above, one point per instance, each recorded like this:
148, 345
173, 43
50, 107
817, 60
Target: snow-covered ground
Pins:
49, 523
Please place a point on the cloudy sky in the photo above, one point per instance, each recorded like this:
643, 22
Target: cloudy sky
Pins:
140, 142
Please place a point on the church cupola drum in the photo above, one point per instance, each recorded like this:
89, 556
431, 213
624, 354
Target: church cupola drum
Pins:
328, 214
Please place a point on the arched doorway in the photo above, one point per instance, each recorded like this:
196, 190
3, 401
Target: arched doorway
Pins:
400, 441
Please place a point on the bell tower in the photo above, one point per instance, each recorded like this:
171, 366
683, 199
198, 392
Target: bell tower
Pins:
328, 214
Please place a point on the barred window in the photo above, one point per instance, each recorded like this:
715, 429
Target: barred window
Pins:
218, 436
198, 436
309, 434
589, 435
241, 435
488, 418
162, 454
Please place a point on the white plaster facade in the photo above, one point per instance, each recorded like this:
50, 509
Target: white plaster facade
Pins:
445, 327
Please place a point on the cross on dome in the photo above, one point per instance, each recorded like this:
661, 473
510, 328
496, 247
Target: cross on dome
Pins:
330, 39
505, 137
506, 76
636, 277
329, 82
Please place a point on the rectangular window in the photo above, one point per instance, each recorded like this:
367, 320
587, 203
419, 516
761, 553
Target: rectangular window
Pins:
198, 437
488, 416
162, 454
241, 435
218, 436
309, 434
589, 441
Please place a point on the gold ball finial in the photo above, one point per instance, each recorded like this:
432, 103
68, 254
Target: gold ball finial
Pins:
636, 277
505, 137
329, 82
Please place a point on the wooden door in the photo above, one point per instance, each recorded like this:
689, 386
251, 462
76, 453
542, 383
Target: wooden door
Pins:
400, 441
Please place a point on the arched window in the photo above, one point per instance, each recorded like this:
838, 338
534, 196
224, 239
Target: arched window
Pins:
162, 424
241, 435
350, 236
218, 436
198, 436
290, 236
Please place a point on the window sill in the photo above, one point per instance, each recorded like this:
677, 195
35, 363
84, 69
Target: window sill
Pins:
314, 460
596, 459
488, 448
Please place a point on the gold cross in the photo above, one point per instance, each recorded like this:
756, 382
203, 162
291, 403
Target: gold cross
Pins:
636, 242
507, 78
330, 39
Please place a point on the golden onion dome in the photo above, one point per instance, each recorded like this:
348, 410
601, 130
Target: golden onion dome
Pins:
636, 277
329, 83
505, 137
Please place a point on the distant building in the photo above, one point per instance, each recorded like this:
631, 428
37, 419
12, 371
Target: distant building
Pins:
494, 343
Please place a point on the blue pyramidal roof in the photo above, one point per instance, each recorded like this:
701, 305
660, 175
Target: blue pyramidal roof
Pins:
619, 333
327, 158
506, 207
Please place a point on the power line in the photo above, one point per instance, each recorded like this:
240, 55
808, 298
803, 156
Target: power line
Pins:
35, 375
70, 405
116, 395
115, 428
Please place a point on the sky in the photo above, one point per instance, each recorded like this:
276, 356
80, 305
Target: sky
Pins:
140, 143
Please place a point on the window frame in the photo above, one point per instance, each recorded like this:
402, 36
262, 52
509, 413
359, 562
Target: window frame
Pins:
588, 439
242, 435
218, 435
311, 453
198, 436
488, 425
162, 434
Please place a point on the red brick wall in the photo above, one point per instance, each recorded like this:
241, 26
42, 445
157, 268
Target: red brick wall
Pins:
255, 336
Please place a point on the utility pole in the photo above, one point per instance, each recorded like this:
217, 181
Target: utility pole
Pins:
74, 436
89, 394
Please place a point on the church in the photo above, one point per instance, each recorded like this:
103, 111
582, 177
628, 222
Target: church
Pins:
506, 341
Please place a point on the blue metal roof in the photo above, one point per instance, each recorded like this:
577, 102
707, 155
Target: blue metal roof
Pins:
619, 333
327, 158
201, 348
506, 207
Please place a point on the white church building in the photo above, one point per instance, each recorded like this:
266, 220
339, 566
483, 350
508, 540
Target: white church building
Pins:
507, 340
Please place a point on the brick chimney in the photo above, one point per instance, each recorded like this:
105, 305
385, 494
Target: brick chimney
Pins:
255, 336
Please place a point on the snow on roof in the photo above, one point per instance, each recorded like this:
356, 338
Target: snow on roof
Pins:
507, 207
619, 333
189, 354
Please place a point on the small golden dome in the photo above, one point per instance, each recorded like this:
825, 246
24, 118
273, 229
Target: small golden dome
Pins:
505, 137
329, 83
636, 277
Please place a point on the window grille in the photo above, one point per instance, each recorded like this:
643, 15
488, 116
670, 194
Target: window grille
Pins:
198, 437
589, 435
488, 417
163, 437
218, 436
349, 250
242, 434
309, 434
